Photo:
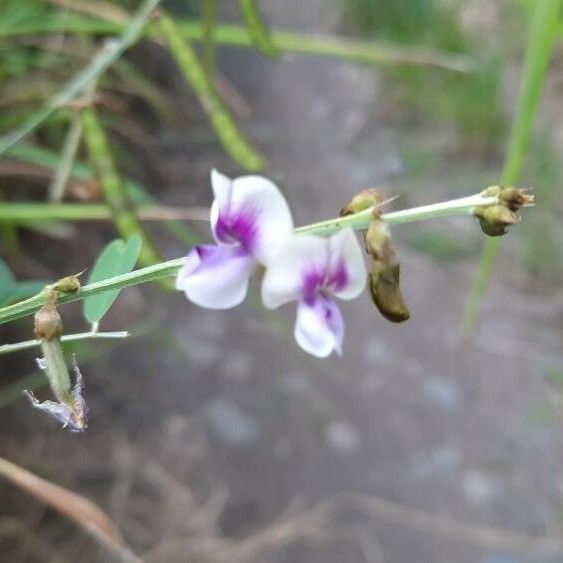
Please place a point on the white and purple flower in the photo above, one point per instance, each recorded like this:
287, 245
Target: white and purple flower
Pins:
312, 270
250, 221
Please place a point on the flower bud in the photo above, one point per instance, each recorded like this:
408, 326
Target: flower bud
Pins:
360, 202
69, 284
383, 281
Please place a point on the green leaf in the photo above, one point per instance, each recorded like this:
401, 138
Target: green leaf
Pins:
6, 277
117, 258
12, 290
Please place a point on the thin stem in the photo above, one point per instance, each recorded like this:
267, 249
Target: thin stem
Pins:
91, 335
364, 52
359, 221
36, 212
68, 155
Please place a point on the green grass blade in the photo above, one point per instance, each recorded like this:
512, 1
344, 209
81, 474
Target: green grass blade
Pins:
257, 31
364, 52
221, 121
124, 217
541, 38
68, 154
209, 17
101, 62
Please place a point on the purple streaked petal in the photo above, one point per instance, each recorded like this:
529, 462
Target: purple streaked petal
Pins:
296, 271
346, 272
252, 212
216, 277
319, 328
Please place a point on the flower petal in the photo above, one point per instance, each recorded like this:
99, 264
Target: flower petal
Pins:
319, 328
250, 210
346, 271
216, 277
301, 258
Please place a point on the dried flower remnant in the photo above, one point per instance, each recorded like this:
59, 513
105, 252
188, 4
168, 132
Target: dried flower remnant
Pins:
73, 416
70, 408
312, 271
495, 220
250, 220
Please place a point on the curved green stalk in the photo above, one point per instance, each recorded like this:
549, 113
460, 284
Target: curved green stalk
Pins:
225, 128
366, 52
541, 38
124, 216
257, 31
209, 17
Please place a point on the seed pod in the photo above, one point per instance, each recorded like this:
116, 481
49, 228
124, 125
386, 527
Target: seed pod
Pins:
383, 281
360, 202
495, 219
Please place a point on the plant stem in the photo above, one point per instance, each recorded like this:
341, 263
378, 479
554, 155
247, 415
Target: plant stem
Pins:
220, 119
91, 335
359, 221
365, 52
123, 212
543, 32
39, 212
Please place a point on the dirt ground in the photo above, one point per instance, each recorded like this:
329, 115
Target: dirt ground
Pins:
214, 438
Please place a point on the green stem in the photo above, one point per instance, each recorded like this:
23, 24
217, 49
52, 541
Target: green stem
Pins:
124, 217
209, 16
365, 52
541, 38
79, 336
68, 155
26, 213
359, 221
220, 119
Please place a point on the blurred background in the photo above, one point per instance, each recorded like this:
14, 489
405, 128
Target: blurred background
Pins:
212, 436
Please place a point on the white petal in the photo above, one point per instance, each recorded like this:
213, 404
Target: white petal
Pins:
250, 210
216, 277
319, 328
345, 253
286, 274
221, 186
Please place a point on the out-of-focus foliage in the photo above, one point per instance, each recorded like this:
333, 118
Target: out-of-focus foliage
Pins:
471, 101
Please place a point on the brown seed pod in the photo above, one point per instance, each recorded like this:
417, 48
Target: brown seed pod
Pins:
383, 281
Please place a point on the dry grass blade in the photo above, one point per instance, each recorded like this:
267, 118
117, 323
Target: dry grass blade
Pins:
75, 507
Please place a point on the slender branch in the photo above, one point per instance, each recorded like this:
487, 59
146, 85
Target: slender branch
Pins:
91, 335
35, 212
359, 221
358, 51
